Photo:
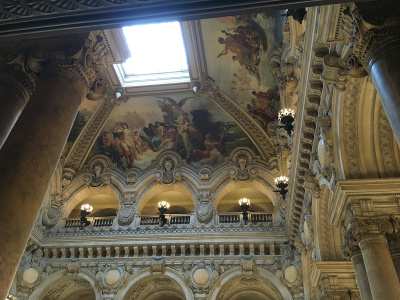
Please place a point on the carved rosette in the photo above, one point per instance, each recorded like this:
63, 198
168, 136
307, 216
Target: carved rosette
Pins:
204, 206
111, 278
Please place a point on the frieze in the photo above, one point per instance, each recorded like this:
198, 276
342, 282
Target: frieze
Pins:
110, 231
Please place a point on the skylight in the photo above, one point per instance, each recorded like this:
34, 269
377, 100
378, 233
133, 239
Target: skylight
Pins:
157, 55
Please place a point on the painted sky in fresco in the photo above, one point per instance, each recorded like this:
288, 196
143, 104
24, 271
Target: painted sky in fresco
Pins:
237, 51
137, 131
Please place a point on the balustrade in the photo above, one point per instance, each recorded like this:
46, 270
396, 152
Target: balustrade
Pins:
176, 219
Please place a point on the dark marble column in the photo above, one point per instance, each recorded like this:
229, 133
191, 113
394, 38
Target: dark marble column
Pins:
32, 151
15, 90
384, 64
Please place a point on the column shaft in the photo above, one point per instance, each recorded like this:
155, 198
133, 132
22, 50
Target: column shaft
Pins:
13, 97
362, 278
379, 266
29, 158
384, 65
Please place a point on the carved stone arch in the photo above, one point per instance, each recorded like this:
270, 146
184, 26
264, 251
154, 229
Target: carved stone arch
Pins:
367, 145
326, 237
61, 278
139, 280
84, 192
184, 187
260, 280
255, 184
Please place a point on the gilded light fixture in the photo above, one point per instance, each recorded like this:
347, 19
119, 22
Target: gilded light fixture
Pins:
86, 209
162, 208
245, 205
282, 183
286, 117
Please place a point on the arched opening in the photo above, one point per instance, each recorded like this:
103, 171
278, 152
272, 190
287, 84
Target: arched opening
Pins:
180, 203
155, 288
259, 201
104, 205
69, 288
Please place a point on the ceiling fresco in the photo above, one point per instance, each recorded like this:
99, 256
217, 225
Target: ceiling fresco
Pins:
86, 110
237, 53
137, 131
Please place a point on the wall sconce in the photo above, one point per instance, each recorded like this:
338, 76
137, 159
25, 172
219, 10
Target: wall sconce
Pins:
282, 183
86, 209
245, 205
162, 208
286, 117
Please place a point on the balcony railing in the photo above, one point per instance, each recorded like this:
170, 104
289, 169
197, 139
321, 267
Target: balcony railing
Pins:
175, 219
233, 218
95, 222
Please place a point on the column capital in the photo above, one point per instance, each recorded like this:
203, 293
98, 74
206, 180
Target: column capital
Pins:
364, 228
81, 53
375, 25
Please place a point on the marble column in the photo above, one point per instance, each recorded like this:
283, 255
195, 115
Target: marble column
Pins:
377, 48
394, 248
15, 90
384, 65
361, 274
30, 156
379, 266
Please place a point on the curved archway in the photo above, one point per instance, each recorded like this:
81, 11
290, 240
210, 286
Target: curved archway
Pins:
59, 286
88, 192
262, 283
177, 193
146, 285
236, 185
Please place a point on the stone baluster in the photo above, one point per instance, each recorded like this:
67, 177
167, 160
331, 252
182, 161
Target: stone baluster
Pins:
32, 151
381, 273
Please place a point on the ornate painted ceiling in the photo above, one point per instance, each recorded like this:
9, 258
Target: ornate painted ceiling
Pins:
236, 107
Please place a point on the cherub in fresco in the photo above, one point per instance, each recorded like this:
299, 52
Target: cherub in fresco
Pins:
140, 145
169, 136
171, 109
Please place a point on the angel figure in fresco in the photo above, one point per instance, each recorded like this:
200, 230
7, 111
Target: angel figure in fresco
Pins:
171, 109
213, 150
263, 106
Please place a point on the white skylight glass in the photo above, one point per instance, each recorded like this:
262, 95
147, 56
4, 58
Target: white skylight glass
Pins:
157, 55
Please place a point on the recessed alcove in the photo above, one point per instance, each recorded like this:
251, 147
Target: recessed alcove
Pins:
179, 203
259, 201
104, 205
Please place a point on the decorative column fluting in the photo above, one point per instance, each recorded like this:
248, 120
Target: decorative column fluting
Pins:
394, 248
379, 266
16, 87
352, 250
32, 151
